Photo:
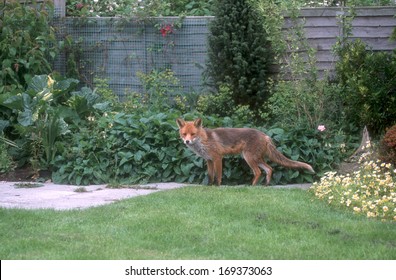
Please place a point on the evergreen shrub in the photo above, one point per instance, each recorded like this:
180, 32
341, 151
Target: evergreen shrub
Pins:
239, 52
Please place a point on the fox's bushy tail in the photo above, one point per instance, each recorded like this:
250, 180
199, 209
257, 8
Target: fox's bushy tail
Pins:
277, 157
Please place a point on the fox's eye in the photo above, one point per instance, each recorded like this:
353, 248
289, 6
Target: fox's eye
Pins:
184, 134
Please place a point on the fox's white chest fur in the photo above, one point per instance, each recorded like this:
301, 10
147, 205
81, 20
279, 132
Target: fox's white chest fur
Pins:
199, 149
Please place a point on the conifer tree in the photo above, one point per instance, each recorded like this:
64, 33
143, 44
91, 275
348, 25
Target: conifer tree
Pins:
239, 52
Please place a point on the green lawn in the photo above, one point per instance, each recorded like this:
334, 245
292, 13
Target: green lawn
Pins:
198, 223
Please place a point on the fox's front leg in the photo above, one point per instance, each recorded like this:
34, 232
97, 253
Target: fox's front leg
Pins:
211, 173
218, 169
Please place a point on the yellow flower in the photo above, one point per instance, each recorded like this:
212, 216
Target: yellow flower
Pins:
348, 202
50, 81
370, 214
385, 208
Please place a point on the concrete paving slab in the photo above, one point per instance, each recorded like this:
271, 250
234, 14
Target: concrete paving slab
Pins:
66, 197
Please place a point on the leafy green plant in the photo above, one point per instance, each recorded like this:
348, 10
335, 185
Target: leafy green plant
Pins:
6, 141
138, 8
306, 103
103, 89
239, 52
199, 7
273, 12
299, 97
27, 44
6, 162
133, 148
324, 150
96, 8
221, 104
368, 86
126, 148
301, 102
159, 89
145, 147
37, 118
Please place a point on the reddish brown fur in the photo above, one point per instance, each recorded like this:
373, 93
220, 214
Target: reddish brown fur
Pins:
254, 145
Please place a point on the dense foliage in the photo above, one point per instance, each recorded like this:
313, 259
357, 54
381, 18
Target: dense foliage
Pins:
368, 86
239, 52
138, 8
145, 147
27, 44
83, 139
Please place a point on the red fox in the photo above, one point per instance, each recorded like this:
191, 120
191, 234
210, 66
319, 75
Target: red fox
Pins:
254, 145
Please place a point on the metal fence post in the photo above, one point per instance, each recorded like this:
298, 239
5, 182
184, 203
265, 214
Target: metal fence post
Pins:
60, 8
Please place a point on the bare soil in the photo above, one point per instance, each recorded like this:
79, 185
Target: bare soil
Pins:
25, 174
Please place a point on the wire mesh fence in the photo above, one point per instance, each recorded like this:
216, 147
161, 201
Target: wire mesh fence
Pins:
118, 49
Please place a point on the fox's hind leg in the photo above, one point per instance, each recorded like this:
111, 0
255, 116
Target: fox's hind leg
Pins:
253, 163
268, 171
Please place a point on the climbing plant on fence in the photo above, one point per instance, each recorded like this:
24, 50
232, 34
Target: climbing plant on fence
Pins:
27, 44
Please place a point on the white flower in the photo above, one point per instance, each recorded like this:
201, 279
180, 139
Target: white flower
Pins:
321, 128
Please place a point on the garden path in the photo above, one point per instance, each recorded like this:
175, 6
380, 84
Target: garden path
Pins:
66, 197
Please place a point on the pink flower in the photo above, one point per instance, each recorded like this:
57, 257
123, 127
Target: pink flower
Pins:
321, 128
79, 6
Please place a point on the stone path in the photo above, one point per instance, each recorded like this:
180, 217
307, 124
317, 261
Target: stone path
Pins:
66, 197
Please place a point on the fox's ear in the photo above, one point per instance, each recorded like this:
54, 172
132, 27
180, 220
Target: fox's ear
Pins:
180, 122
198, 122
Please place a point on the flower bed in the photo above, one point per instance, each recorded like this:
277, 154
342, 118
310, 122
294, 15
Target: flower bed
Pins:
371, 190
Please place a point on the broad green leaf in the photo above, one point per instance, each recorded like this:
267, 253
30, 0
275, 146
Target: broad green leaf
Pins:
14, 102
25, 118
66, 84
38, 84
3, 124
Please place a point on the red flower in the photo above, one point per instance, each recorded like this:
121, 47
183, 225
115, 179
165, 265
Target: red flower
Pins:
167, 29
79, 6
